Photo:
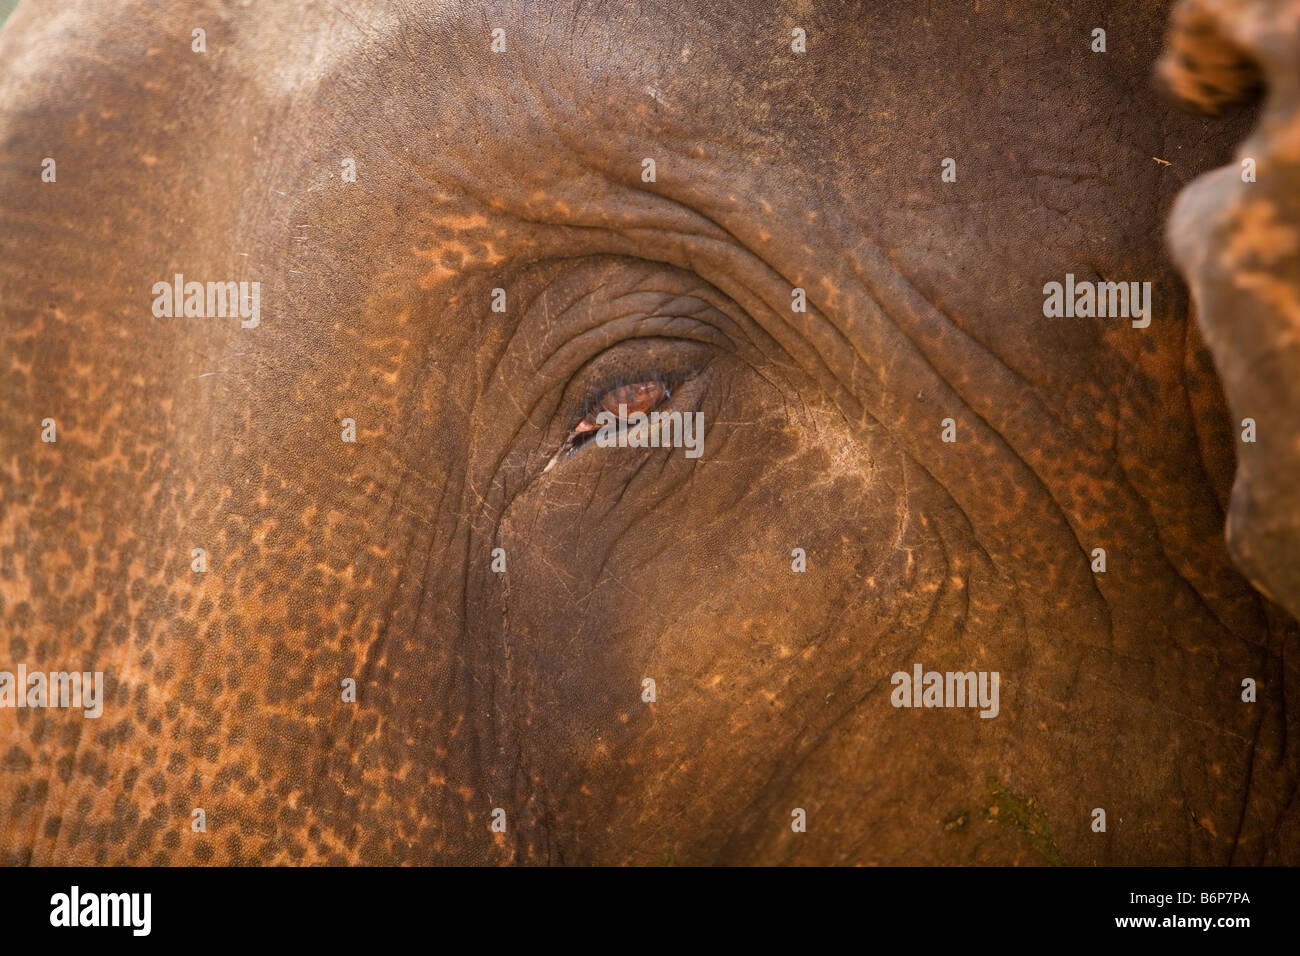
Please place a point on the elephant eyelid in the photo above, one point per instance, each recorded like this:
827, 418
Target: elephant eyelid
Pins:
635, 393
638, 396
642, 374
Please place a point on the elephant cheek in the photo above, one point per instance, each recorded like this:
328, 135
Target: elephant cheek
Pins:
659, 664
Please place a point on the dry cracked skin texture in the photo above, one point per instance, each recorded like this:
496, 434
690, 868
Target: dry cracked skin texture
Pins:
522, 170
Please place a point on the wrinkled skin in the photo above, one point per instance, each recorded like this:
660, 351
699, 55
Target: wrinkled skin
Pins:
522, 170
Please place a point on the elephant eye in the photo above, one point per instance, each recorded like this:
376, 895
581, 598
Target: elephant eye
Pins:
630, 397
637, 397
639, 376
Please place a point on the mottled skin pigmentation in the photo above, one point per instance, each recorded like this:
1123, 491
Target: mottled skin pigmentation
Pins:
522, 690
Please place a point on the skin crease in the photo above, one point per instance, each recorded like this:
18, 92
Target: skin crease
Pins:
372, 560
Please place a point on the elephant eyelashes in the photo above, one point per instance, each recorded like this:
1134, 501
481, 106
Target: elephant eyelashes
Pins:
620, 400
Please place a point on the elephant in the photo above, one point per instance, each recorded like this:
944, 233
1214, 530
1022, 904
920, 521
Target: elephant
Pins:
311, 311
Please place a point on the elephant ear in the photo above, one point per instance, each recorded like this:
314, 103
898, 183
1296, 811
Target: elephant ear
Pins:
1235, 234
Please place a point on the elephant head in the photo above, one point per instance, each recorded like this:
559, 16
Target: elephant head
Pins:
324, 304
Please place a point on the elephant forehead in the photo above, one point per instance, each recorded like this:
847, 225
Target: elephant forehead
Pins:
502, 156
